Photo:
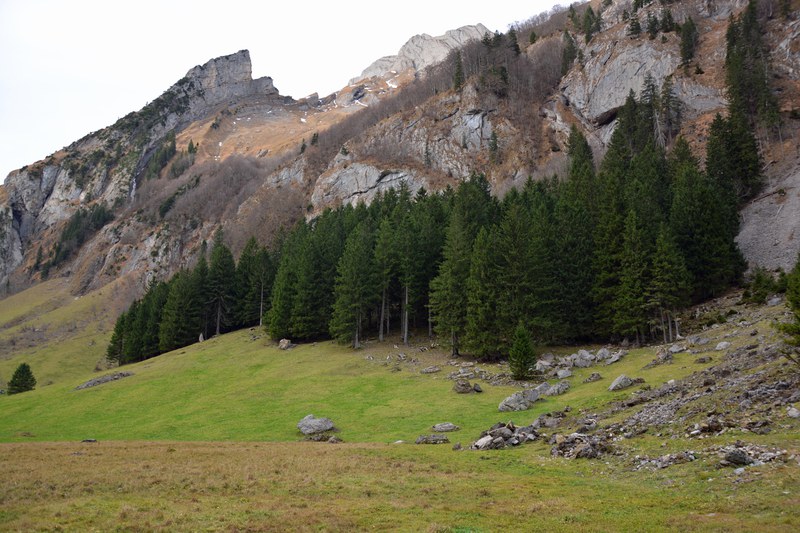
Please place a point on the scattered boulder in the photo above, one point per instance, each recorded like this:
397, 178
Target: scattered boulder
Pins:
736, 457
432, 439
724, 345
543, 366
564, 373
477, 387
463, 386
311, 425
677, 348
793, 412
519, 401
103, 379
430, 370
445, 427
285, 344
594, 376
622, 382
559, 388
602, 354
333, 439
616, 356
703, 360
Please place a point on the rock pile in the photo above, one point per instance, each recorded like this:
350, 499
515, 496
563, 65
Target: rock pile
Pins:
503, 435
432, 439
579, 446
463, 386
664, 461
103, 379
744, 454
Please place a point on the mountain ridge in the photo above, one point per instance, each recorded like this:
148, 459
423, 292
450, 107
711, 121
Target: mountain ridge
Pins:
229, 116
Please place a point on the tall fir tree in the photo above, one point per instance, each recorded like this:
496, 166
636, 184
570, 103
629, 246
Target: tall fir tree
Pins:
670, 285
355, 290
481, 330
181, 317
221, 285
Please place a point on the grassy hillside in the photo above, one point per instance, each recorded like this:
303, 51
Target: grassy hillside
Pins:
236, 388
61, 336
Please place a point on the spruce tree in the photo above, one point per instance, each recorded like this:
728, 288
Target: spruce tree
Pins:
180, 318
482, 327
569, 53
792, 329
355, 288
221, 285
114, 351
386, 264
279, 317
448, 289
458, 74
521, 357
688, 40
634, 27
22, 380
670, 284
630, 305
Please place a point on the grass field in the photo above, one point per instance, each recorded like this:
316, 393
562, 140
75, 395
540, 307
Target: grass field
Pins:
205, 438
133, 486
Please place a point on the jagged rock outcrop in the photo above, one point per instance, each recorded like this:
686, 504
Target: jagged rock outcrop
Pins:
422, 51
599, 89
361, 182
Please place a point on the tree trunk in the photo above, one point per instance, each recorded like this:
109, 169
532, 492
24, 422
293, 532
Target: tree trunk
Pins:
356, 341
383, 314
663, 328
430, 322
669, 321
261, 307
405, 315
219, 316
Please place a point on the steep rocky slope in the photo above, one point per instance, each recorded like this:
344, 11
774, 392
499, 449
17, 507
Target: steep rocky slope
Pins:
264, 160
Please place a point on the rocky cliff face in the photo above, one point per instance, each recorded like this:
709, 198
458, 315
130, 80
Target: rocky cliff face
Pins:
104, 166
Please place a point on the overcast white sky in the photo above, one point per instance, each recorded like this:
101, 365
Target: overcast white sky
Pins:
71, 67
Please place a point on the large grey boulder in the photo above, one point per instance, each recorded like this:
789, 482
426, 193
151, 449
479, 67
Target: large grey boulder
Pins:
445, 427
622, 382
564, 373
311, 425
463, 386
519, 401
558, 389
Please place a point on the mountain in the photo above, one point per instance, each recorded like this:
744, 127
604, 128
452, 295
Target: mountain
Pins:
219, 149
